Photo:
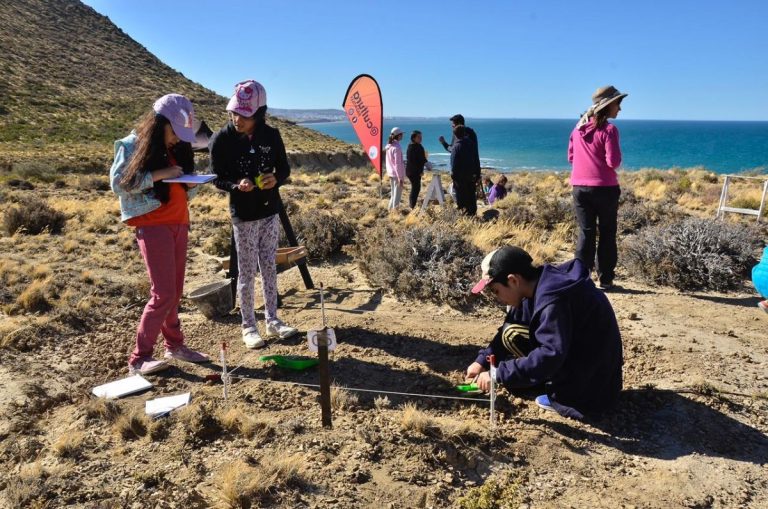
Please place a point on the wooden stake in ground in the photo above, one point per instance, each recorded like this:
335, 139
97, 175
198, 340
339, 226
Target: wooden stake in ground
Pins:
325, 379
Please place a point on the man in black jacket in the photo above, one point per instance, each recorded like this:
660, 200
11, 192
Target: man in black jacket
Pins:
457, 120
464, 172
416, 158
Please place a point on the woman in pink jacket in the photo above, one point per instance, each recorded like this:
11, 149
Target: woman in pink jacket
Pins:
395, 167
595, 154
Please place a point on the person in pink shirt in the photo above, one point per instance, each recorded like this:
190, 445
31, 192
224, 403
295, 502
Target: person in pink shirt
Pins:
395, 167
595, 154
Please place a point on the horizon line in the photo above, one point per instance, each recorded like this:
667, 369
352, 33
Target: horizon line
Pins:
446, 118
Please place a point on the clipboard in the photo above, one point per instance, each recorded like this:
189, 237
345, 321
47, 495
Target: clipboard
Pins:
191, 179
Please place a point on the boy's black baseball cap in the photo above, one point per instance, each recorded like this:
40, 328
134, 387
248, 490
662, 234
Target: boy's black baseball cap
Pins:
500, 263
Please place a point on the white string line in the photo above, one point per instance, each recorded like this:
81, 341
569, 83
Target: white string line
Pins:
376, 391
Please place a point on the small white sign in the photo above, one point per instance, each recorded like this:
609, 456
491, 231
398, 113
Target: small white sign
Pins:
312, 339
163, 406
120, 388
434, 192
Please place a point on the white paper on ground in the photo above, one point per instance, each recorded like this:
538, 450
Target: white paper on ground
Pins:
160, 406
120, 388
192, 179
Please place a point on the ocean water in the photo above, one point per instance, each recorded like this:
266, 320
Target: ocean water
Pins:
519, 145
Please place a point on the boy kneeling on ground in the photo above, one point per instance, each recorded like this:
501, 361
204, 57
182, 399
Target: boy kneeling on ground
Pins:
561, 332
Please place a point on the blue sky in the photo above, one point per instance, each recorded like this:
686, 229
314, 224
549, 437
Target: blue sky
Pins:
678, 59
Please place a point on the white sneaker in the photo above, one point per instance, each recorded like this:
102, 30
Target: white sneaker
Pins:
252, 339
277, 329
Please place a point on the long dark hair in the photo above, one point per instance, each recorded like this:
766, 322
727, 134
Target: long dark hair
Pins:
600, 118
151, 154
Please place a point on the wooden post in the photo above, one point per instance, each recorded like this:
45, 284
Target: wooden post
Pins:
762, 200
291, 236
325, 379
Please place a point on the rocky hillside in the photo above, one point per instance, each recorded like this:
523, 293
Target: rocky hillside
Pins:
71, 82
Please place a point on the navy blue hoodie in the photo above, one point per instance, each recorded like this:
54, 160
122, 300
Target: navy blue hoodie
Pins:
579, 352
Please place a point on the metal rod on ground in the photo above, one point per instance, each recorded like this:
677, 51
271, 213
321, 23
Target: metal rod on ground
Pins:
223, 359
325, 379
492, 373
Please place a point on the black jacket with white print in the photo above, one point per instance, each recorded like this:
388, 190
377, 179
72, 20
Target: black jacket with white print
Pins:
234, 157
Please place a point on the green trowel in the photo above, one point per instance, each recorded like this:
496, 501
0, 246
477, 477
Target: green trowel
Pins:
469, 388
294, 362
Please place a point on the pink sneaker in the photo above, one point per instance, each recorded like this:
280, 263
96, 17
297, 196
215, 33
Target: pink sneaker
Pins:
186, 354
146, 366
763, 305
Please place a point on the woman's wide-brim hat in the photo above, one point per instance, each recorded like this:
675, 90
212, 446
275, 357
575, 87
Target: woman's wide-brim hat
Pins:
604, 96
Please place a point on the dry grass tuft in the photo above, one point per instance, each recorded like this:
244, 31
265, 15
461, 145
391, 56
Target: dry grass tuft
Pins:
342, 399
415, 420
200, 421
159, 429
34, 298
747, 199
462, 428
242, 486
28, 488
236, 420
41, 271
69, 444
131, 426
104, 409
381, 402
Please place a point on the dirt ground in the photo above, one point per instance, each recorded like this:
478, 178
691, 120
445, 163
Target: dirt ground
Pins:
690, 430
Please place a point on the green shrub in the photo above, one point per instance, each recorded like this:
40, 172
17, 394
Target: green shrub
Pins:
694, 254
538, 210
427, 262
634, 216
322, 233
33, 217
745, 202
499, 491
92, 183
218, 242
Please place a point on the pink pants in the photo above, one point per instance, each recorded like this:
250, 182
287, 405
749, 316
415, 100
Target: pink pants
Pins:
164, 249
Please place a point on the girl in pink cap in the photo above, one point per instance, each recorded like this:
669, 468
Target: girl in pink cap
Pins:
250, 162
160, 148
